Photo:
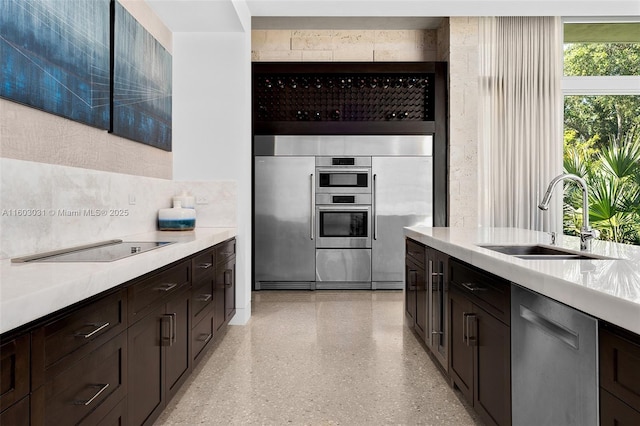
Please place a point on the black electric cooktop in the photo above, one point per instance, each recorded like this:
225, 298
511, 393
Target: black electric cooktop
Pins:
101, 252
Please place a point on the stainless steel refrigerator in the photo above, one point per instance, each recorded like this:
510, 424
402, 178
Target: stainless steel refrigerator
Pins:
402, 196
288, 172
285, 249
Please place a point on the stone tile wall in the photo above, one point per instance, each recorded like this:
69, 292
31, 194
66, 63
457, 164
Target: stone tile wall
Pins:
343, 45
455, 42
462, 56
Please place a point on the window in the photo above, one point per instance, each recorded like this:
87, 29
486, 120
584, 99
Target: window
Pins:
601, 85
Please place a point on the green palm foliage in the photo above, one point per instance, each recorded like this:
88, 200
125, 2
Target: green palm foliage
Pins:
602, 143
613, 178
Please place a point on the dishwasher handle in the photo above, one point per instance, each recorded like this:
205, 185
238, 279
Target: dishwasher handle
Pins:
551, 327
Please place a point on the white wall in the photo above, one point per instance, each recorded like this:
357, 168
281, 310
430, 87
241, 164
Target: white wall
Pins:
212, 128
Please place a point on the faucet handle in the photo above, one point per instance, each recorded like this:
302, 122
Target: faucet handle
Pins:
590, 233
586, 235
552, 234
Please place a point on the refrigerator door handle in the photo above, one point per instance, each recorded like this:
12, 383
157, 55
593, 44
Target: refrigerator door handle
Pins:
375, 210
312, 206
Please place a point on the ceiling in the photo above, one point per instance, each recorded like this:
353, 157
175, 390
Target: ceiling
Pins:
221, 15
344, 23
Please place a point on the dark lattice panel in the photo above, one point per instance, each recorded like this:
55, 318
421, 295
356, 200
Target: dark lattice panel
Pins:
349, 97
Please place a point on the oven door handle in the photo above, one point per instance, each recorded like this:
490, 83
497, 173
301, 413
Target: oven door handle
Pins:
313, 206
343, 208
343, 170
375, 210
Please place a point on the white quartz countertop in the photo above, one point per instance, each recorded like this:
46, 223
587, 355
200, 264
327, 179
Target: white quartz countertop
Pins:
608, 289
29, 291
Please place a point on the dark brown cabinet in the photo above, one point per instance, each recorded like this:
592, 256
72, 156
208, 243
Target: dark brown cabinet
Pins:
203, 302
146, 393
160, 346
461, 354
437, 288
14, 380
78, 362
416, 298
225, 284
229, 290
95, 382
67, 338
119, 357
480, 355
17, 414
619, 376
177, 343
411, 283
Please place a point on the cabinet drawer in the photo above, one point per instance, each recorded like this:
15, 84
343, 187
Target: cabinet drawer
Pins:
77, 334
116, 417
144, 294
203, 265
14, 370
486, 290
225, 250
416, 252
614, 412
201, 299
96, 382
202, 334
620, 364
17, 414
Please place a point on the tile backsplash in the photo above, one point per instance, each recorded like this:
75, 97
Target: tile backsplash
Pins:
46, 207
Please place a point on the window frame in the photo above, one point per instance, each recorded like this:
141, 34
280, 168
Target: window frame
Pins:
599, 85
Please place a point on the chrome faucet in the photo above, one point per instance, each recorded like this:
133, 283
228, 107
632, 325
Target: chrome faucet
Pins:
586, 233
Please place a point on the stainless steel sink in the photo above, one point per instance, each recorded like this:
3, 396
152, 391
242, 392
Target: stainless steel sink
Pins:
541, 252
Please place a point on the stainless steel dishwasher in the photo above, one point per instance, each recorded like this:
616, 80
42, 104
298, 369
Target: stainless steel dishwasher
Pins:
554, 360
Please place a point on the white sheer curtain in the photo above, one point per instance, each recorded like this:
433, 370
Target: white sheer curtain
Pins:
521, 120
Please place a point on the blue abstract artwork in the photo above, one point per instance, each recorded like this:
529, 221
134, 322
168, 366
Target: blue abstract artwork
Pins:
141, 84
55, 57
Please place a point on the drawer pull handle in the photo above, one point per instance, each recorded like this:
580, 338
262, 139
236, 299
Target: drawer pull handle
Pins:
227, 281
205, 337
101, 388
167, 287
473, 287
205, 265
467, 326
174, 332
204, 298
99, 328
169, 329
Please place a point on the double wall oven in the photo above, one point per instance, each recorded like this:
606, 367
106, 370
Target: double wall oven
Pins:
329, 210
343, 220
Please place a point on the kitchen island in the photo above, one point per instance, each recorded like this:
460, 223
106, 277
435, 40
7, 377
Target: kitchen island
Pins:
608, 289
544, 334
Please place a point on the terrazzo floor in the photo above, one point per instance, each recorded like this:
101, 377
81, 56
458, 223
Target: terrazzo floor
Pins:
319, 358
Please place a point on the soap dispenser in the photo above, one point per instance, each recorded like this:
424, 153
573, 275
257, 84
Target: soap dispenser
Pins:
187, 200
